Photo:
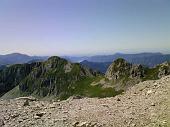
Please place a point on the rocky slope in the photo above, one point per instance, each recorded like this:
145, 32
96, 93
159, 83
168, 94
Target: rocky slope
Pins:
146, 104
13, 75
122, 74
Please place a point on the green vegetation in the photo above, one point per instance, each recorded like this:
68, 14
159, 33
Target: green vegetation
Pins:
84, 88
151, 74
60, 79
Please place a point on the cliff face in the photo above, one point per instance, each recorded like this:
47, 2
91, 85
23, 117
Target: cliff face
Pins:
13, 75
54, 77
164, 69
123, 74
121, 68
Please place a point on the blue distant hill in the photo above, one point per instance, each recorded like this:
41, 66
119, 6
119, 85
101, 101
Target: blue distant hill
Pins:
101, 62
98, 62
17, 58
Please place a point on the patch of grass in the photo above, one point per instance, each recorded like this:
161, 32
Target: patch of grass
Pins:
14, 93
84, 88
151, 74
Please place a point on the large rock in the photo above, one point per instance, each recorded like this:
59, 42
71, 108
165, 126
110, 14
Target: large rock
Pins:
123, 74
164, 69
121, 68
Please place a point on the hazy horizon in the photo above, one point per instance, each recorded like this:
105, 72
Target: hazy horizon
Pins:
86, 27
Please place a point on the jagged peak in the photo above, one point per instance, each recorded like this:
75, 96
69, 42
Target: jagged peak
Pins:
54, 58
120, 60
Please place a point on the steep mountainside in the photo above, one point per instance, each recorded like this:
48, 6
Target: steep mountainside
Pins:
2, 67
55, 78
12, 76
123, 74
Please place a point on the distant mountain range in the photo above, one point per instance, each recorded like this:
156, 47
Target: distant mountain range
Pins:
102, 62
99, 66
17, 58
98, 62
149, 59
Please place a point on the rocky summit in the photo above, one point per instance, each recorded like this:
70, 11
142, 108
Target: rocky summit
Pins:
121, 68
146, 104
123, 75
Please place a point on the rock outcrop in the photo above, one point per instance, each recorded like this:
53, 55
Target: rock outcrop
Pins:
121, 68
122, 74
164, 69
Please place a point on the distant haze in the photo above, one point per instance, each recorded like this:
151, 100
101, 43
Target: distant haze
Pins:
84, 27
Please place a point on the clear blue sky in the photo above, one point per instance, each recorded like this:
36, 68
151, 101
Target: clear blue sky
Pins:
84, 27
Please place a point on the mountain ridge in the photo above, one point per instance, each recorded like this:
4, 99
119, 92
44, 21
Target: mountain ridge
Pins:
18, 58
59, 78
55, 78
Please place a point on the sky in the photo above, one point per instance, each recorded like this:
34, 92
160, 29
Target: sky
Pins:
84, 27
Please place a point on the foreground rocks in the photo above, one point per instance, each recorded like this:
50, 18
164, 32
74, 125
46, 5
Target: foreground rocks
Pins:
146, 104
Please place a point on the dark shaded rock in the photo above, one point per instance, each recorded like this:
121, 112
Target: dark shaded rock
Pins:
26, 103
11, 76
40, 114
1, 123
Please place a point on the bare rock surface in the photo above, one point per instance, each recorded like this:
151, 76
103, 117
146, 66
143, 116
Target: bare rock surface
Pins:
146, 104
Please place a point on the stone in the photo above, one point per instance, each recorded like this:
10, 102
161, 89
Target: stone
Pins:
40, 114
20, 120
75, 124
14, 115
83, 124
1, 123
149, 91
118, 99
52, 106
153, 104
36, 117
26, 103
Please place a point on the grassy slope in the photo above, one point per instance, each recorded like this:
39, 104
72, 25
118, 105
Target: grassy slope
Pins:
12, 93
84, 88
